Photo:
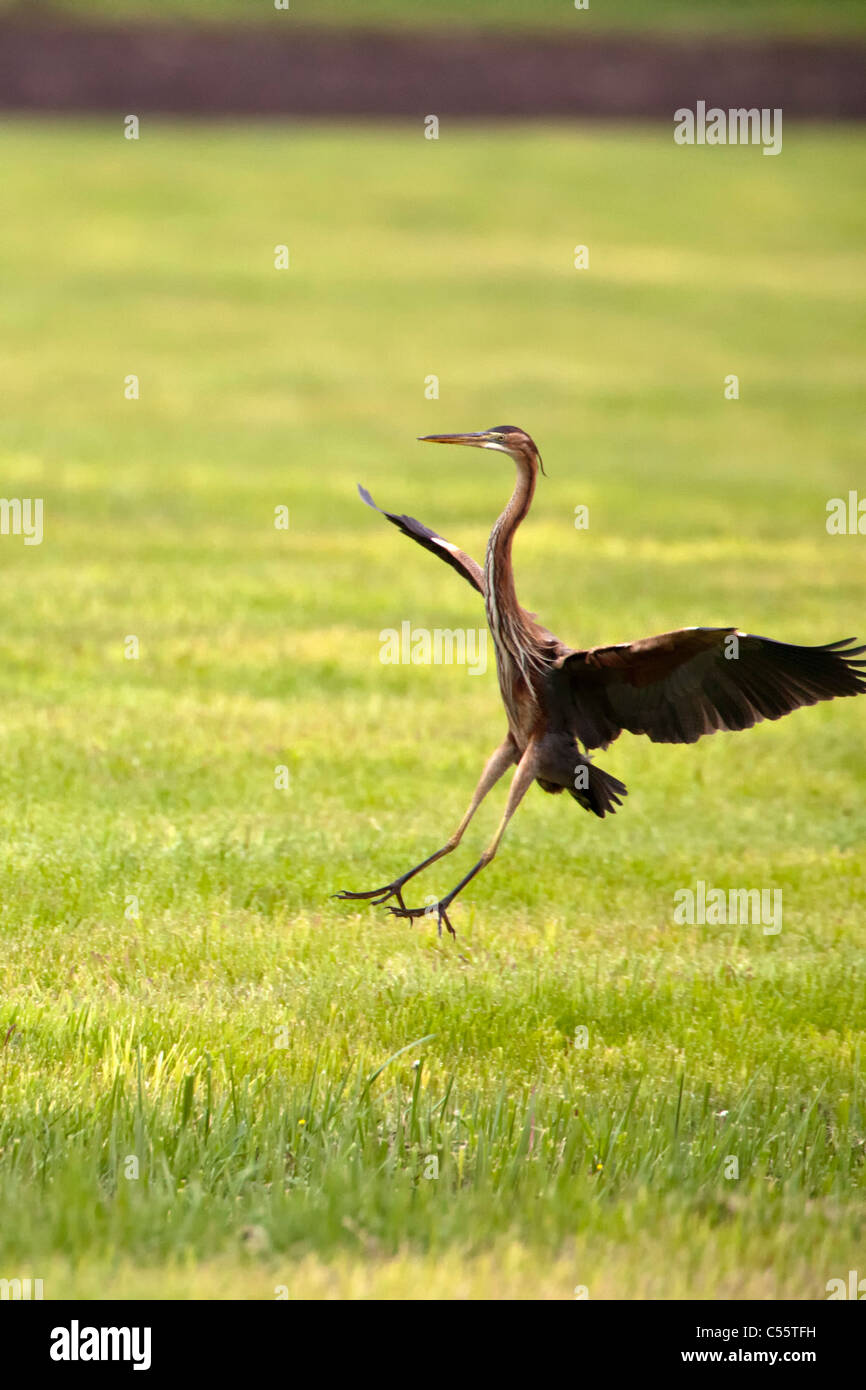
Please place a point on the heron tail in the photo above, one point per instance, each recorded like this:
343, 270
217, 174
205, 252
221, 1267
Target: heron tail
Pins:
596, 790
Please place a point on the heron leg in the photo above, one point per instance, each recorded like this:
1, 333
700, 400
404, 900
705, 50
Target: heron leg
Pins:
497, 764
527, 770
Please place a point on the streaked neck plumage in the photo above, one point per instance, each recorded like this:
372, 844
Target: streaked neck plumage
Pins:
504, 613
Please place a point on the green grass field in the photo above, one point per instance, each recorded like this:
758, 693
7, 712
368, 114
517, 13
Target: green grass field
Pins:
744, 17
251, 1048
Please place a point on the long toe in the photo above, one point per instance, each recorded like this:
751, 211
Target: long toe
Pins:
409, 914
406, 912
376, 895
443, 917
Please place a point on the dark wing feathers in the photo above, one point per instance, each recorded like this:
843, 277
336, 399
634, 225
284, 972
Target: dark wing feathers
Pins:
437, 545
680, 685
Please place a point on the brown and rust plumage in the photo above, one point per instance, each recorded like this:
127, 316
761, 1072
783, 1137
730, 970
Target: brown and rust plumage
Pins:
674, 688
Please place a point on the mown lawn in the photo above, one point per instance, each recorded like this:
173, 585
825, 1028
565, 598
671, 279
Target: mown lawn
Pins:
214, 1079
748, 18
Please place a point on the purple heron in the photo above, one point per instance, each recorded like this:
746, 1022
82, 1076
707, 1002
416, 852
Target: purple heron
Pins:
674, 687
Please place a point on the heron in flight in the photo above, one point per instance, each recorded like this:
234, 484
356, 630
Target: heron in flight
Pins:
674, 687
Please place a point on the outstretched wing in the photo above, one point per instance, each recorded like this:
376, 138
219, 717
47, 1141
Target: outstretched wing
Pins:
681, 685
437, 545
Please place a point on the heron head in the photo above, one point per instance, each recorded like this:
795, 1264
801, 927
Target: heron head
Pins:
505, 439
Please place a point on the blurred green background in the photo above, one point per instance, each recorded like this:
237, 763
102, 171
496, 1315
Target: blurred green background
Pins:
735, 17
157, 1035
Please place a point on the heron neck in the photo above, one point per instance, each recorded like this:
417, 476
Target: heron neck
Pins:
498, 566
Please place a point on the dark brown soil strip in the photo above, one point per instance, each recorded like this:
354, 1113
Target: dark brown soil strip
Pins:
231, 72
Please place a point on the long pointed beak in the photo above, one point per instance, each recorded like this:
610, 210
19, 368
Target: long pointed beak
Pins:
479, 438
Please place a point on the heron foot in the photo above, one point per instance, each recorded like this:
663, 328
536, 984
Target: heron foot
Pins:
377, 896
440, 908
